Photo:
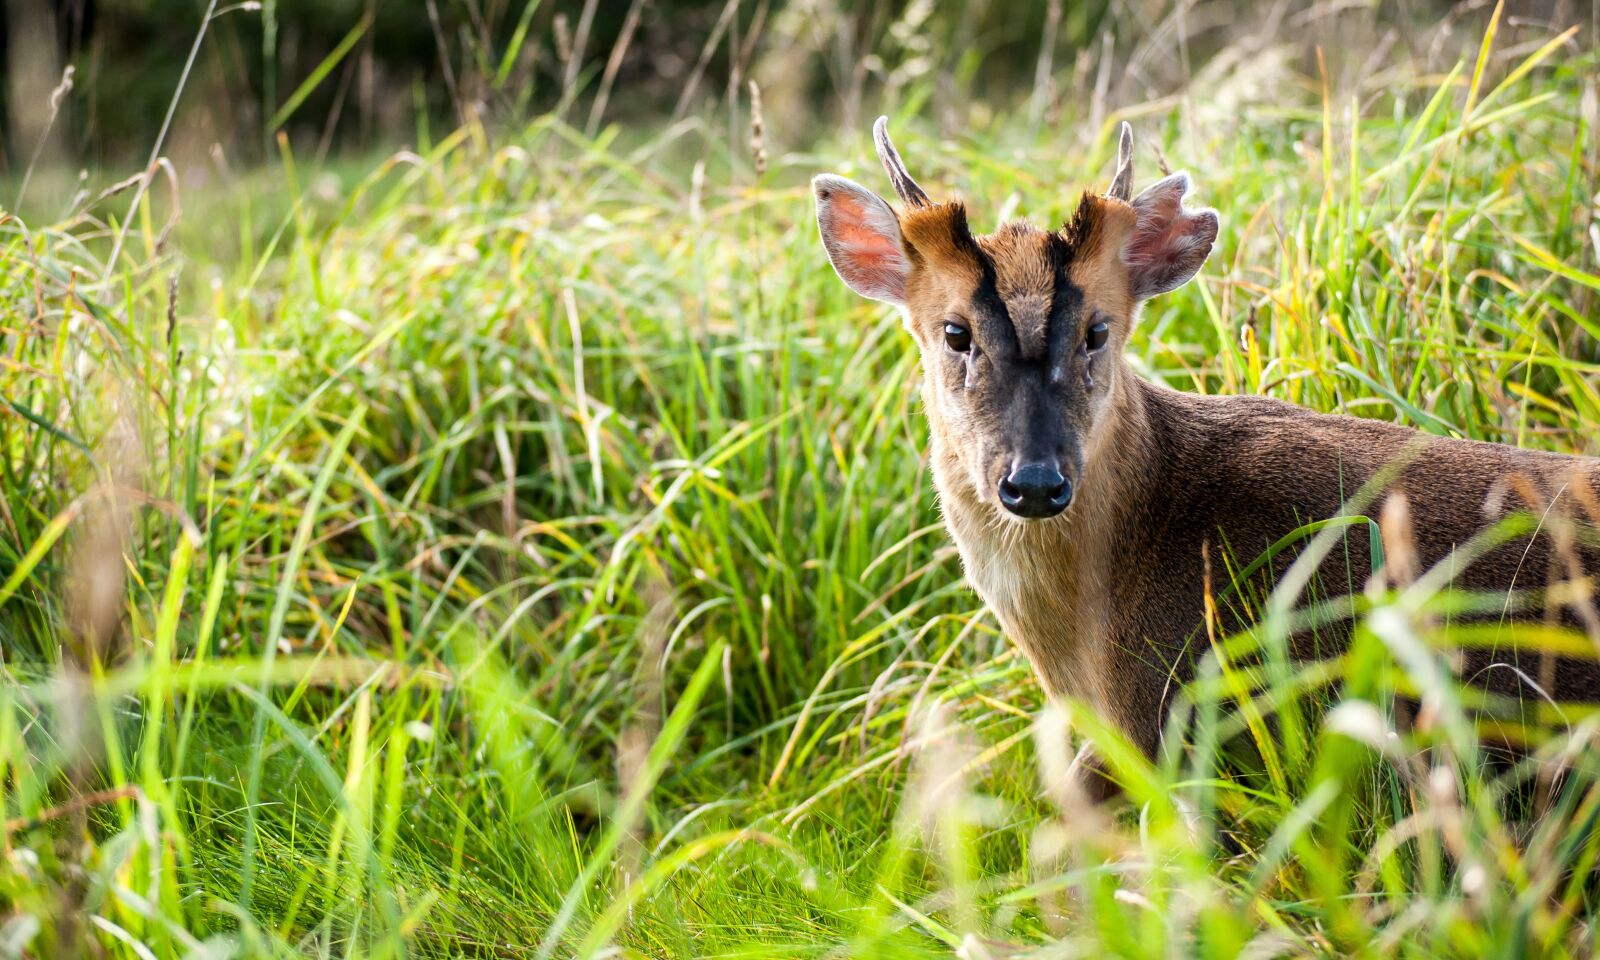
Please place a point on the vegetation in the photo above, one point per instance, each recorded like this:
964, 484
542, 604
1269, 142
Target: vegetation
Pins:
521, 547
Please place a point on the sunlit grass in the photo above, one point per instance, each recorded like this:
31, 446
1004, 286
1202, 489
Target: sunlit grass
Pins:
532, 555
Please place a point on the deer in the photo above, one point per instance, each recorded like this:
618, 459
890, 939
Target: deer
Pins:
1087, 502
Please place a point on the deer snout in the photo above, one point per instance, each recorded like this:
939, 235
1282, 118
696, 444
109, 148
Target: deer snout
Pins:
1035, 491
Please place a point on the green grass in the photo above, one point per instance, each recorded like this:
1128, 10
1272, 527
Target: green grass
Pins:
535, 558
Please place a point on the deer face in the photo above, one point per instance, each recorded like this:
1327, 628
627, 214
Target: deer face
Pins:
1021, 331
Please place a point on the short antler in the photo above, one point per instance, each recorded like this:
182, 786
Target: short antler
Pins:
1122, 180
907, 188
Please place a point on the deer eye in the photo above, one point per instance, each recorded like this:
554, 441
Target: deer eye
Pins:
1098, 334
957, 337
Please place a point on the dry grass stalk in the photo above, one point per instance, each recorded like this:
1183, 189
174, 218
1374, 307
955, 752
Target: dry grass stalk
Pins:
619, 51
758, 143
577, 46
57, 96
563, 31
1400, 563
73, 806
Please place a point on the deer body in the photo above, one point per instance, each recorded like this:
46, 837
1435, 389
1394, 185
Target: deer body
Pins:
1089, 505
1110, 605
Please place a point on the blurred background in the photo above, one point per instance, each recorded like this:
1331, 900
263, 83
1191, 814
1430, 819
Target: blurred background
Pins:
443, 484
89, 84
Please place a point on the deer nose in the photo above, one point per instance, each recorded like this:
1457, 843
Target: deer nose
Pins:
1035, 491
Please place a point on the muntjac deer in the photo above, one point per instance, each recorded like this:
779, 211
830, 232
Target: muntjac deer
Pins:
1085, 500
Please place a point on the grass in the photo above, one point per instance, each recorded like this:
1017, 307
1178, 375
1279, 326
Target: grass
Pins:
522, 547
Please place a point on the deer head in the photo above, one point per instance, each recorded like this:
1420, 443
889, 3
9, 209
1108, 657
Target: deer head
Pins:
1021, 331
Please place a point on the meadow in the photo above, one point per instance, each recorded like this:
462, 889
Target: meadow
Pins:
521, 545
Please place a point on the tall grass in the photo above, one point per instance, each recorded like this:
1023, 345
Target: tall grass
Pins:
524, 549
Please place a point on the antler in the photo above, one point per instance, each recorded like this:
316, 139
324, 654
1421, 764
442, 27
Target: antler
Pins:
1122, 181
907, 188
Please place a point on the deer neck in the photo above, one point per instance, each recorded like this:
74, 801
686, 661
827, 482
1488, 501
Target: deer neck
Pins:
1049, 582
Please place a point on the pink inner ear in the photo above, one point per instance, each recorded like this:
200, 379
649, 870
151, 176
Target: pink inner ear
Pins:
864, 251
1160, 221
865, 245
1170, 243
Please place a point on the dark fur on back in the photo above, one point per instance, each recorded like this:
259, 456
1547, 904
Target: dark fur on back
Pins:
1238, 473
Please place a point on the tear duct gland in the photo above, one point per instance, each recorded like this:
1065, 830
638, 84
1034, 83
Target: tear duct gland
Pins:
1088, 503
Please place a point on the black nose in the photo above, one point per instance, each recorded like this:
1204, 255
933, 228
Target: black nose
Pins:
1035, 491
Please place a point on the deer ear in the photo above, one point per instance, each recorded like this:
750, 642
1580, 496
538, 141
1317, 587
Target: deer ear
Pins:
1169, 243
862, 236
